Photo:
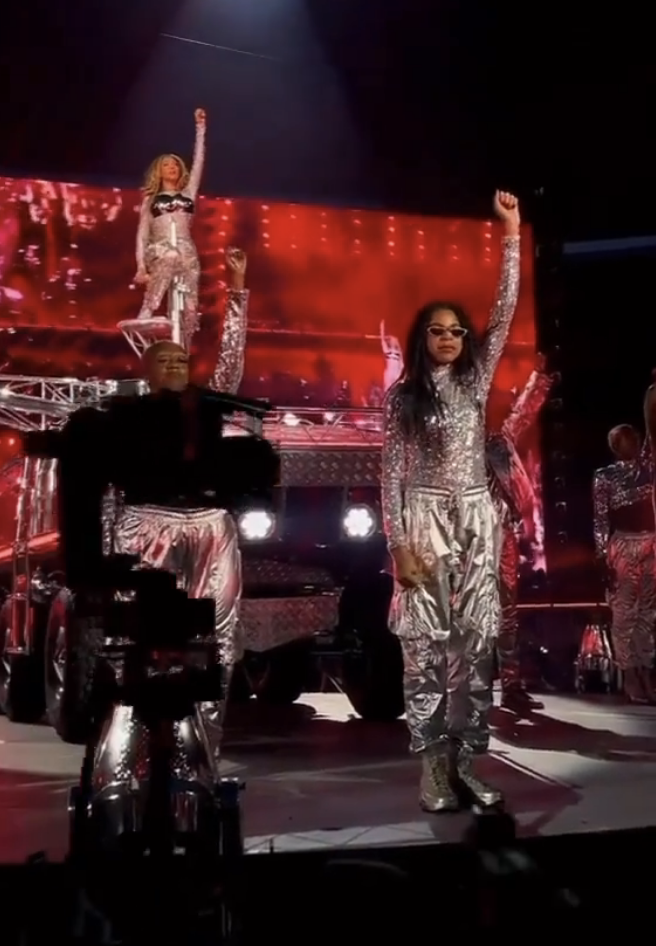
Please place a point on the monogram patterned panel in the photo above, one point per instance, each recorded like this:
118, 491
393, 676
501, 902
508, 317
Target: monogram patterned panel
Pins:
269, 622
331, 467
268, 572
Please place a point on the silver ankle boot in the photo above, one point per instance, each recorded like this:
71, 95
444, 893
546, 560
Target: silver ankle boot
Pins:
436, 793
483, 793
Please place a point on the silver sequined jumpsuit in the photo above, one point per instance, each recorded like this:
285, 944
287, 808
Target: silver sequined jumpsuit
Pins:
514, 499
436, 502
165, 247
631, 560
200, 545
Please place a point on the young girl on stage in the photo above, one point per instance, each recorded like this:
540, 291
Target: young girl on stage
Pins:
443, 530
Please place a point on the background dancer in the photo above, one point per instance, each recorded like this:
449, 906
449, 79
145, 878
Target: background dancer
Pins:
165, 248
199, 545
443, 533
624, 542
515, 500
393, 355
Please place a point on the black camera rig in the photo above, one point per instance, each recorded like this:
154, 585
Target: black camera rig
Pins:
170, 450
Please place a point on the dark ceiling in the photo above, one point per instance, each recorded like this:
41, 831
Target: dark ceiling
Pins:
415, 104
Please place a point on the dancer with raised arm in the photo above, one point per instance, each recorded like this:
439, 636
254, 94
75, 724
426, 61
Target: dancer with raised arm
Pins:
625, 547
443, 531
165, 248
393, 355
200, 545
514, 497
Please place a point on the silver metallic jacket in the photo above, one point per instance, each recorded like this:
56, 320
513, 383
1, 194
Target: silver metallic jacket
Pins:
508, 480
618, 485
453, 455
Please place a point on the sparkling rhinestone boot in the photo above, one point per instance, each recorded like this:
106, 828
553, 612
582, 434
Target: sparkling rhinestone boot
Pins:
483, 794
436, 793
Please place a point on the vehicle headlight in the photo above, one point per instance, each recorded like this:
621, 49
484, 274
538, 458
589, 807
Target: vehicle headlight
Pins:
359, 522
257, 525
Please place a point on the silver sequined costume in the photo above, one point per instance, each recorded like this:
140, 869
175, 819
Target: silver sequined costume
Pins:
631, 560
200, 545
165, 248
436, 502
514, 497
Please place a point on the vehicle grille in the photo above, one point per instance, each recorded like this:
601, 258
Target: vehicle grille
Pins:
312, 516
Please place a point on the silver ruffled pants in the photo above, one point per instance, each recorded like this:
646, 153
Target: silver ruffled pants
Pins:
632, 598
201, 548
448, 625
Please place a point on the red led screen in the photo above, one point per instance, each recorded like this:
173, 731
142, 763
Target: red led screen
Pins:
323, 281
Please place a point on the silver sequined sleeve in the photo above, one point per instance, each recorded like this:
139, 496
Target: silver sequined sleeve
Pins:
393, 470
143, 231
601, 510
501, 315
229, 369
197, 163
527, 406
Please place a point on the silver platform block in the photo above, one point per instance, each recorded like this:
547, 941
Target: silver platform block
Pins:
109, 811
150, 779
120, 779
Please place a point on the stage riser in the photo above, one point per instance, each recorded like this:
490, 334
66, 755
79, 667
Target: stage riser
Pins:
301, 897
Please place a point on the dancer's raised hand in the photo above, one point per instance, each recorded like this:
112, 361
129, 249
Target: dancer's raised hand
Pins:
506, 207
236, 260
236, 263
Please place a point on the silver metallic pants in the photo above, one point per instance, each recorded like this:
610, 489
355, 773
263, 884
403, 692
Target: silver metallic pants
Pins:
447, 626
632, 598
507, 649
164, 262
201, 547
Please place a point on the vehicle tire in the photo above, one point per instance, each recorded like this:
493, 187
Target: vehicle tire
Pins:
372, 661
279, 676
71, 672
21, 677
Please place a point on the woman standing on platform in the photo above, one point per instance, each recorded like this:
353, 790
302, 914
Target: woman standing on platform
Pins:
442, 530
165, 248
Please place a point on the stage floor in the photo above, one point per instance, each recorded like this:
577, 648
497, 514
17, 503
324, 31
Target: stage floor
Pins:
318, 778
